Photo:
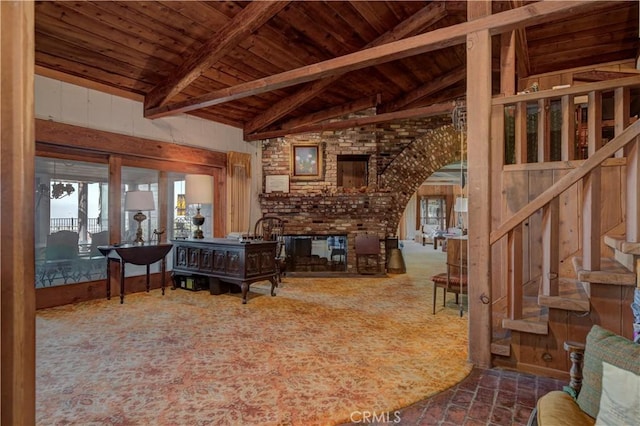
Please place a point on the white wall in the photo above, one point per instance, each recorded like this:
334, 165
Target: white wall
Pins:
67, 103
410, 217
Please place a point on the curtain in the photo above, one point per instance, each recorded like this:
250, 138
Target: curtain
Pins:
239, 194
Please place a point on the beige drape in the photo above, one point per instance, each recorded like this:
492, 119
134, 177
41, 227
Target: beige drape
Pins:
239, 192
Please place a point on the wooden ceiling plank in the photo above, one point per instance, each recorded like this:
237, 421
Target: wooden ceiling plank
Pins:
337, 111
599, 75
90, 59
430, 111
425, 90
427, 16
617, 33
531, 14
589, 21
97, 23
254, 15
585, 56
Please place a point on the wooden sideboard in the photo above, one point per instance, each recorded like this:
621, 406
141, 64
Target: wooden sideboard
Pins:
232, 261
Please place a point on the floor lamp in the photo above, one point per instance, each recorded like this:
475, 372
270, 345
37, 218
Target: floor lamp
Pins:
199, 191
137, 201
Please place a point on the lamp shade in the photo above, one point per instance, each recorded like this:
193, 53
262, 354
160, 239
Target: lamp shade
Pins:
199, 189
135, 201
461, 205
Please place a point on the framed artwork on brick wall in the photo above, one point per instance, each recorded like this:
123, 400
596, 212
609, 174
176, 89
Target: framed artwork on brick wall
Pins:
306, 161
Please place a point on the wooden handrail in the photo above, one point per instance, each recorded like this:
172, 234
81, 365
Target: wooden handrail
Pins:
566, 181
581, 89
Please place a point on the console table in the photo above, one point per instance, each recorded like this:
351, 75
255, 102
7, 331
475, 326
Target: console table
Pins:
232, 261
136, 255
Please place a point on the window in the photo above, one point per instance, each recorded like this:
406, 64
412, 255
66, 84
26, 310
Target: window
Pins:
71, 220
433, 212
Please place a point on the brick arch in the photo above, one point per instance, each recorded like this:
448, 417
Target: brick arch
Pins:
419, 160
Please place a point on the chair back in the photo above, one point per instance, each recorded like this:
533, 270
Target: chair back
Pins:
367, 244
271, 228
98, 239
62, 245
457, 255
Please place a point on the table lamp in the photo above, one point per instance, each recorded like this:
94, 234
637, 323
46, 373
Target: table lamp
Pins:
199, 190
137, 201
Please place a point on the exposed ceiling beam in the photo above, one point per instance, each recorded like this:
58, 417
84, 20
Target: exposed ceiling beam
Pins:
430, 111
427, 16
329, 113
248, 20
531, 14
425, 90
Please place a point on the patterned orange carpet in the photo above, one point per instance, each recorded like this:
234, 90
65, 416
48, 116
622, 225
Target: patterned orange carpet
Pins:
320, 350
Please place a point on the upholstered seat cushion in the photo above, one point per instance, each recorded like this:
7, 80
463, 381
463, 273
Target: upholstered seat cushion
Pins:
453, 279
558, 408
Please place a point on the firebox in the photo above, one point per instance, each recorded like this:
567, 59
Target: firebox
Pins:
316, 253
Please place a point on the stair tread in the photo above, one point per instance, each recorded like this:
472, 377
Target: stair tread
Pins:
619, 242
534, 326
501, 346
611, 272
571, 297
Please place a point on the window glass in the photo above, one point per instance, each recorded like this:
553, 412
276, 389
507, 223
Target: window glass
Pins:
71, 220
138, 179
180, 213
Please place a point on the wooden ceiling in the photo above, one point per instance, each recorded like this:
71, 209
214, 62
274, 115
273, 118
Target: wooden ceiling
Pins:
251, 64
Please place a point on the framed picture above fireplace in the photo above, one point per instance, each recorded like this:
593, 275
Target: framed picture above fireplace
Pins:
306, 161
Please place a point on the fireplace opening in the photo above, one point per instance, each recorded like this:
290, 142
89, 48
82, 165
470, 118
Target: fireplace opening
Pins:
316, 253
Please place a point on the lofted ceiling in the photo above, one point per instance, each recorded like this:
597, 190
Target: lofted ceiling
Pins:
251, 64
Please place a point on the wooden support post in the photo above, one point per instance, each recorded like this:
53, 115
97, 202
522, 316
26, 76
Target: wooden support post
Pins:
17, 151
508, 63
499, 265
478, 133
544, 132
591, 201
632, 227
521, 133
551, 248
621, 107
568, 132
514, 289
594, 122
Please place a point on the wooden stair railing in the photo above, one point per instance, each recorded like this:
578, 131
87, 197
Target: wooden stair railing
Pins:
594, 161
589, 171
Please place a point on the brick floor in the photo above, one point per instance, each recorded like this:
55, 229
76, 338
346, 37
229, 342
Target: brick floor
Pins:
493, 397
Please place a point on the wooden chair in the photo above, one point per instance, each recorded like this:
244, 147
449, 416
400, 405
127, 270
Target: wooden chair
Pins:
271, 228
455, 280
98, 239
61, 255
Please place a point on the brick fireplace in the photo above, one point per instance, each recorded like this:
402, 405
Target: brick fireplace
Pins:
399, 158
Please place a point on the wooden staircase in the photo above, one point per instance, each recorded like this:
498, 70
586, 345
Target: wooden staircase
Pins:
565, 246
